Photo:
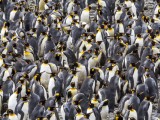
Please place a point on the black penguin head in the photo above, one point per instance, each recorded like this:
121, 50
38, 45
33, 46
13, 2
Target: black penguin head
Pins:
10, 111
96, 97
28, 92
99, 42
6, 24
139, 35
118, 8
105, 102
69, 94
37, 77
42, 102
57, 96
118, 113
72, 84
5, 66
3, 56
130, 107
152, 20
45, 61
19, 90
78, 110
25, 98
15, 8
57, 56
93, 71
84, 48
91, 105
132, 65
51, 108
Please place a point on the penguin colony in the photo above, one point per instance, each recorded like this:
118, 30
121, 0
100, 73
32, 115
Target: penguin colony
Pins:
79, 58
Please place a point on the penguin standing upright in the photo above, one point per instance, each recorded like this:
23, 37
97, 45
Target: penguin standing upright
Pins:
22, 109
131, 113
145, 109
13, 99
12, 115
85, 15
41, 5
12, 14
104, 109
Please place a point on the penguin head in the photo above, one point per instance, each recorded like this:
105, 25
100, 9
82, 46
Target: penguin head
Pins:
93, 71
118, 8
28, 92
25, 98
72, 84
15, 8
37, 77
57, 96
91, 105
69, 94
45, 61
78, 110
152, 20
51, 108
132, 65
6, 24
5, 66
130, 107
10, 111
18, 90
118, 114
57, 56
42, 102
105, 102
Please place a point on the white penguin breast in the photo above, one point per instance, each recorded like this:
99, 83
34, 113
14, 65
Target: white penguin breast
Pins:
110, 32
23, 92
6, 75
133, 114
134, 10
128, 4
69, 42
13, 117
3, 31
102, 3
150, 111
85, 16
118, 15
12, 102
45, 68
135, 77
111, 74
68, 20
104, 112
156, 10
155, 50
70, 7
1, 62
92, 116
139, 41
51, 85
75, 80
25, 109
99, 36
121, 28
12, 15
